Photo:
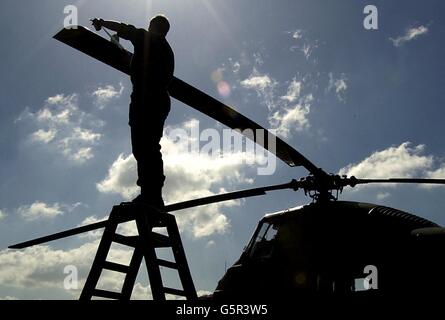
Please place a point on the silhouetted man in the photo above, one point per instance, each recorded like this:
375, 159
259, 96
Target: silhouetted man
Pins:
152, 68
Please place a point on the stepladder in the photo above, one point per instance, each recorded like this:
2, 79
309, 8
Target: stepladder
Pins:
144, 245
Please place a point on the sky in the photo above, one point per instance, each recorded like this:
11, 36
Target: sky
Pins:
361, 102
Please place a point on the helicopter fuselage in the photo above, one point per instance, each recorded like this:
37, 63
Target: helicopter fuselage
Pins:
337, 248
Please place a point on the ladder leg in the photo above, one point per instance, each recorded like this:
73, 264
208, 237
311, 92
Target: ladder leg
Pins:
154, 273
127, 288
181, 260
101, 256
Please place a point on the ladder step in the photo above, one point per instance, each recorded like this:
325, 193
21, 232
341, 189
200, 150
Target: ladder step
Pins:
130, 241
116, 267
160, 240
175, 292
107, 294
168, 264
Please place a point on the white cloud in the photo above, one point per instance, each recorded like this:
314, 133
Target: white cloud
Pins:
290, 111
81, 155
264, 86
383, 195
236, 66
293, 91
63, 127
292, 118
44, 136
42, 210
104, 95
42, 267
307, 50
39, 210
78, 145
185, 171
141, 292
297, 34
91, 234
2, 215
201, 293
60, 99
9, 298
402, 161
439, 173
85, 135
58, 109
258, 58
339, 85
304, 44
121, 178
210, 243
205, 221
410, 34
257, 82
288, 105
232, 65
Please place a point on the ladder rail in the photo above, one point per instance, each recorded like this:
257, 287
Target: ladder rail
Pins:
130, 279
181, 261
99, 259
154, 272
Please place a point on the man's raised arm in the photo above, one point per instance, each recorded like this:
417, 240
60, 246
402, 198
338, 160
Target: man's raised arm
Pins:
112, 25
123, 30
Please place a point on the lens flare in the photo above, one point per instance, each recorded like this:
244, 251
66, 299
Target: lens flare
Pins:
217, 75
223, 89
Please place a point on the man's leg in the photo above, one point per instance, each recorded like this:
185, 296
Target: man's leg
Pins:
147, 152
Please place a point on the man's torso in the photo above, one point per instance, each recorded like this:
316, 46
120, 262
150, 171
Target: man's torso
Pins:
152, 69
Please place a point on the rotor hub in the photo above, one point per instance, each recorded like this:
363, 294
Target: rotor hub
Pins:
325, 187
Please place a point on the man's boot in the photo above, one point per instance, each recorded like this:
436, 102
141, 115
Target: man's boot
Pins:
150, 197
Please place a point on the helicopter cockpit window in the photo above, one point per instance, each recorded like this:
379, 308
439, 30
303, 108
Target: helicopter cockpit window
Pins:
263, 245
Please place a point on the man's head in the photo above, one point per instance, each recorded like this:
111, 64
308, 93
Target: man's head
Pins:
159, 24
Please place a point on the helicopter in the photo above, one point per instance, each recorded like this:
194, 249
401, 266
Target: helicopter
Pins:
327, 247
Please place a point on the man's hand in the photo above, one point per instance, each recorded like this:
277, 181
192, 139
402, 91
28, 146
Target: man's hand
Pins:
108, 24
97, 23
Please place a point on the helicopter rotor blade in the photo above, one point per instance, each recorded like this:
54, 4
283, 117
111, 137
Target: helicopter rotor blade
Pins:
105, 51
168, 208
60, 235
354, 181
217, 110
231, 196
